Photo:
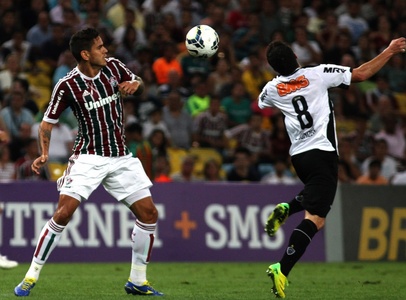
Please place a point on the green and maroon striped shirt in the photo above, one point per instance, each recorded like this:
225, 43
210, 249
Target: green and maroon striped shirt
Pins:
98, 107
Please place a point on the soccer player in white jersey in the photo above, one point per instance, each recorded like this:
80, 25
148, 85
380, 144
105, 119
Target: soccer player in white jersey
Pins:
302, 96
94, 90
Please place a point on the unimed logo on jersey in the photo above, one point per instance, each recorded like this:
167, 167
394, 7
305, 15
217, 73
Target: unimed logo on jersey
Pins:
102, 101
292, 86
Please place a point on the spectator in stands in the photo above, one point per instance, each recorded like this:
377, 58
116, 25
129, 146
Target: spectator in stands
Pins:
212, 171
341, 47
165, 63
23, 165
373, 175
175, 83
162, 169
116, 14
255, 74
16, 115
130, 20
7, 167
179, 122
159, 143
126, 48
327, 36
279, 139
247, 38
236, 76
155, 122
62, 142
9, 23
396, 72
352, 21
186, 173
53, 47
269, 19
372, 96
39, 33
66, 63
11, 71
18, 45
219, 77
57, 12
393, 133
252, 137
237, 105
385, 106
349, 169
243, 169
364, 49
308, 51
209, 127
280, 175
139, 146
149, 99
380, 152
22, 85
239, 17
199, 101
216, 18
362, 139
383, 34
30, 14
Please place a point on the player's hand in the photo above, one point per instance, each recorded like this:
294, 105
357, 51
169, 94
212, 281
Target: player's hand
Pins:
128, 87
39, 163
398, 45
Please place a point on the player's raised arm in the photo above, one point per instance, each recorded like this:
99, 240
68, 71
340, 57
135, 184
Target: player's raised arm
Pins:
369, 68
44, 139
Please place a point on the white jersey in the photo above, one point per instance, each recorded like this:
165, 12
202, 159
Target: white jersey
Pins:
303, 99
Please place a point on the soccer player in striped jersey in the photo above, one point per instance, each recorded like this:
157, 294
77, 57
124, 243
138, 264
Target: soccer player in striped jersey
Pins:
94, 90
302, 96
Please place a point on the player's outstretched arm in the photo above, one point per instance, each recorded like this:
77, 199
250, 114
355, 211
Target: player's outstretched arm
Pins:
369, 68
44, 139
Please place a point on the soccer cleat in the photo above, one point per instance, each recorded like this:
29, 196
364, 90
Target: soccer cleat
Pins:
144, 290
6, 263
277, 218
24, 288
279, 280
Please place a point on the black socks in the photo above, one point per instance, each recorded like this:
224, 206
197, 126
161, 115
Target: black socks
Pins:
298, 242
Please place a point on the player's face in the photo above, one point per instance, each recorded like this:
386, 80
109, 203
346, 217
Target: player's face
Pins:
98, 53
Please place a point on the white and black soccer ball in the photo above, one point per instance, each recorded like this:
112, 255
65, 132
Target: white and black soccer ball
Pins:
202, 41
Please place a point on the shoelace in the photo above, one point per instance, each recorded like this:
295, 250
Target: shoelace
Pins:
26, 285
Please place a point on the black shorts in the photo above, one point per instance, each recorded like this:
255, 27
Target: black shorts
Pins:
318, 170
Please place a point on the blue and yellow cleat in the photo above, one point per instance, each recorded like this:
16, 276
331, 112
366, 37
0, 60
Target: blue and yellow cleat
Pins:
279, 280
144, 290
277, 218
24, 288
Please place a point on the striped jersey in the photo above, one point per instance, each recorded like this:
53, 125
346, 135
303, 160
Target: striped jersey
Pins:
303, 99
98, 107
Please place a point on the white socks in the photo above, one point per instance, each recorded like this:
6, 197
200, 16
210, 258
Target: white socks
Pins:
142, 240
47, 241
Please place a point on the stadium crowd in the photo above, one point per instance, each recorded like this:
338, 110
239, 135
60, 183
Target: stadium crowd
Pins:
198, 119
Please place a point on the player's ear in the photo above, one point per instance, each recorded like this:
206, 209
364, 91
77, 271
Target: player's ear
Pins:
85, 55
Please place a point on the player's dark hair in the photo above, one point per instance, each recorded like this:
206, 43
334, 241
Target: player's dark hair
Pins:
82, 40
281, 58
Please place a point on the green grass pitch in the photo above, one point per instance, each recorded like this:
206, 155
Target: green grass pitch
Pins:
324, 281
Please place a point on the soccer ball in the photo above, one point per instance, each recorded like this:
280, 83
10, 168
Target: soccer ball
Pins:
202, 41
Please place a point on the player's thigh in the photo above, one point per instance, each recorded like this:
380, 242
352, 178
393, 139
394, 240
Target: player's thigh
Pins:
126, 177
83, 175
318, 170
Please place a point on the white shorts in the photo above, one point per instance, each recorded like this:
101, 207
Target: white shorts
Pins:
121, 176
